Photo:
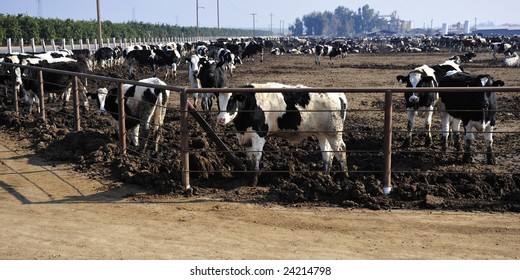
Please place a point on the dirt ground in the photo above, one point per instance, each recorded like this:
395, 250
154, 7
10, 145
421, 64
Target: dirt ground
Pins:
66, 195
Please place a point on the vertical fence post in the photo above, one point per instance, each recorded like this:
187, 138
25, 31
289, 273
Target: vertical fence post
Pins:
22, 50
44, 48
185, 156
9, 47
75, 99
41, 93
122, 117
33, 45
387, 187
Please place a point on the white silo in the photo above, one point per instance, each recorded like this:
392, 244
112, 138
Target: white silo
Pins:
444, 28
466, 27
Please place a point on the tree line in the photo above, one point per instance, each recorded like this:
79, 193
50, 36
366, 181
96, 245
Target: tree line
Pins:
341, 22
21, 26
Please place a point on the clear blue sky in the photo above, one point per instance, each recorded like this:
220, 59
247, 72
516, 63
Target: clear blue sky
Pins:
238, 13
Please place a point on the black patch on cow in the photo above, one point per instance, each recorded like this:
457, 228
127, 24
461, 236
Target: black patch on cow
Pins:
292, 118
150, 96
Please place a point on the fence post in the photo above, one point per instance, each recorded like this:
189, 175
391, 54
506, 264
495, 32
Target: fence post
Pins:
63, 44
75, 99
33, 45
41, 92
122, 117
53, 43
185, 156
387, 187
44, 48
22, 50
9, 47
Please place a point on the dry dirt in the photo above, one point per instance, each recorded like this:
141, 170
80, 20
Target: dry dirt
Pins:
67, 195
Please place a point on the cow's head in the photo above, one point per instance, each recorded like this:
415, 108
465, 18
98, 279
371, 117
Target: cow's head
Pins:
416, 79
193, 65
229, 104
100, 96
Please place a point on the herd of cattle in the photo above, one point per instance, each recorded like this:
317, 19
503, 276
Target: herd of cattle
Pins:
287, 114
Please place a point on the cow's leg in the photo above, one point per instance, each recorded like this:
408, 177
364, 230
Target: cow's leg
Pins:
470, 137
428, 126
445, 126
410, 113
254, 154
134, 135
455, 131
338, 148
488, 138
195, 96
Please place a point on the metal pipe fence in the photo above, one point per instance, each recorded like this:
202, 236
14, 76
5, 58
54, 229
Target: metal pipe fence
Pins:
385, 147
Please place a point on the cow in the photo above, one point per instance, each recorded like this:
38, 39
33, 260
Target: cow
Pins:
476, 110
153, 58
144, 107
497, 47
211, 74
326, 50
291, 115
55, 83
464, 58
424, 102
227, 58
193, 73
251, 49
512, 61
104, 56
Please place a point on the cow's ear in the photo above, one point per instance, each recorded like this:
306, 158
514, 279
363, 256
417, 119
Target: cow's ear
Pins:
498, 83
402, 79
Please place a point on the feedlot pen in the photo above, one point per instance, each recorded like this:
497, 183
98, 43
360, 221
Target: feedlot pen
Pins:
190, 152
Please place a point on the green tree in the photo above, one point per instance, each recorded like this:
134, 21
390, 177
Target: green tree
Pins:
297, 28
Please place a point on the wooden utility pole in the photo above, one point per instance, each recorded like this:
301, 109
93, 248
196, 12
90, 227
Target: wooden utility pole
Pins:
100, 34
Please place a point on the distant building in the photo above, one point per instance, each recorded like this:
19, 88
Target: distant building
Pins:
498, 30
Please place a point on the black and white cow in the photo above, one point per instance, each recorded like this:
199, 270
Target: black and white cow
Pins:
251, 49
104, 57
145, 109
55, 83
290, 115
424, 102
476, 110
227, 58
154, 58
326, 50
497, 47
211, 74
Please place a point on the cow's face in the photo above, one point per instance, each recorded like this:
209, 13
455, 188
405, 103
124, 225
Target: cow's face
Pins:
416, 80
101, 96
193, 65
228, 108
